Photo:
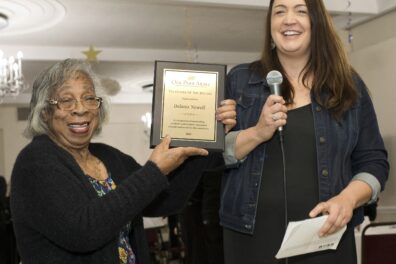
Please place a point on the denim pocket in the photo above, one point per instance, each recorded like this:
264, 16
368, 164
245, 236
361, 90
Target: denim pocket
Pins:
246, 101
248, 111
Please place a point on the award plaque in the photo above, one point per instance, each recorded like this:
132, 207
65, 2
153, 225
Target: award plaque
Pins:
185, 99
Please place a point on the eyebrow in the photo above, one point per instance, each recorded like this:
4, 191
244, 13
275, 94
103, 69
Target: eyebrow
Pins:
284, 6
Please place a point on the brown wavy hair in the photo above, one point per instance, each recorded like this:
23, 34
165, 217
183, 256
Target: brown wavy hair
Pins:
333, 86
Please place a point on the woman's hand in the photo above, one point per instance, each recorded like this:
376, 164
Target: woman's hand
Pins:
273, 115
340, 210
340, 207
226, 114
167, 159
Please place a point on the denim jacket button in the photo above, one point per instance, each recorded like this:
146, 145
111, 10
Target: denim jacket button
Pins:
322, 140
248, 226
318, 109
325, 172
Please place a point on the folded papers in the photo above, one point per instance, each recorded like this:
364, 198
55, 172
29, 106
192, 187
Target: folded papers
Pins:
302, 237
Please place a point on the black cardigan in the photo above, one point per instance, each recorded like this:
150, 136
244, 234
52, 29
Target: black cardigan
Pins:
59, 218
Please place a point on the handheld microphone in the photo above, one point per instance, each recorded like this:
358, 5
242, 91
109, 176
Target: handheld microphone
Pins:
274, 80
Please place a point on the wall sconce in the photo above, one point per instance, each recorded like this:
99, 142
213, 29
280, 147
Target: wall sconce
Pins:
146, 119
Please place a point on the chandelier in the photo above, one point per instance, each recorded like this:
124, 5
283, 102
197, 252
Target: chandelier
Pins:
11, 78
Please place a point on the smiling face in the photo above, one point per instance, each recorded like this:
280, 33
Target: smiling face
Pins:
73, 129
291, 28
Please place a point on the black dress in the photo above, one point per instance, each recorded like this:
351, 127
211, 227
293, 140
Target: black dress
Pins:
302, 195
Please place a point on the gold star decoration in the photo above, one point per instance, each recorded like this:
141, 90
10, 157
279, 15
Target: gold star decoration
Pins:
91, 54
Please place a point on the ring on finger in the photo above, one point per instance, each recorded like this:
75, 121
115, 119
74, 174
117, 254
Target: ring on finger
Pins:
274, 117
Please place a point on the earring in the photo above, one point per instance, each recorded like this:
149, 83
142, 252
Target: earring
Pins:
273, 46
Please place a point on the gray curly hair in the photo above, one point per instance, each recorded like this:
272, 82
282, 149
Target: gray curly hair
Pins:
46, 85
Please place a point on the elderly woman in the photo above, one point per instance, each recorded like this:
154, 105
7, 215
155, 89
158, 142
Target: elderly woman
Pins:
74, 201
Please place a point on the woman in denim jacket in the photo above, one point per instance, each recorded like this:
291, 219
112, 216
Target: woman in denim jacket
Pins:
334, 156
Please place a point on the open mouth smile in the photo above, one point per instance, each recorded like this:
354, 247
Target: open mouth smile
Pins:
291, 33
81, 127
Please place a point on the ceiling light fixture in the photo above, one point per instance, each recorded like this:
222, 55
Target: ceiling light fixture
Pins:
3, 21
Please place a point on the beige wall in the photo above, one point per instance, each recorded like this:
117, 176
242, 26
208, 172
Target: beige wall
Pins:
2, 163
373, 54
125, 131
12, 140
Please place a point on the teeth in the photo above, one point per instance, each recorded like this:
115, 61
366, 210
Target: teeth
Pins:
291, 33
78, 125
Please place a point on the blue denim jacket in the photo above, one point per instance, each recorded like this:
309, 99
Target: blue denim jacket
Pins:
345, 149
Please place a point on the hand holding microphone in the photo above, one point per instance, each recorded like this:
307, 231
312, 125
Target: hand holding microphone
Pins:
274, 80
273, 114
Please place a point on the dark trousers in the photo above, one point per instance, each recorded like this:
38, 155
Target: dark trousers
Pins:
203, 240
8, 251
201, 231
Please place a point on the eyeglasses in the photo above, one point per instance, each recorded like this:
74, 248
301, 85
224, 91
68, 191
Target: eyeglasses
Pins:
67, 104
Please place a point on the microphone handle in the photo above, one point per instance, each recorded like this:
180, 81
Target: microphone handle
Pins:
276, 90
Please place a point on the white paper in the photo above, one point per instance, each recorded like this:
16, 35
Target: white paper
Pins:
154, 222
302, 237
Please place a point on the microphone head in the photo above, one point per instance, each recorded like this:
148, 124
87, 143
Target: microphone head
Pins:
274, 80
274, 77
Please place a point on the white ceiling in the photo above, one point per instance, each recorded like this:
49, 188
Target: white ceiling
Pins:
131, 34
